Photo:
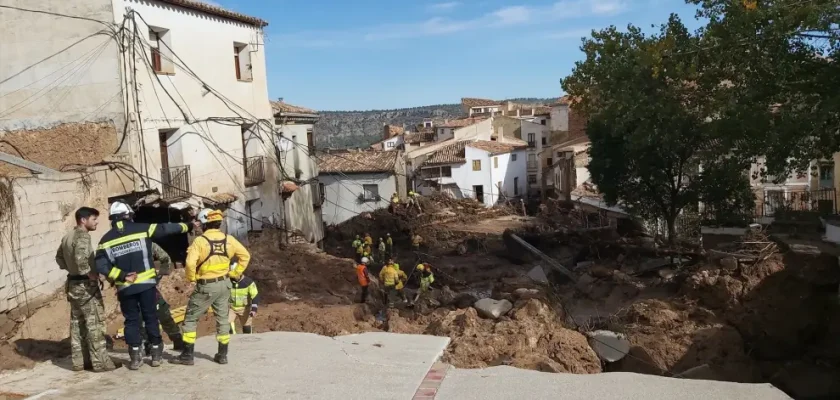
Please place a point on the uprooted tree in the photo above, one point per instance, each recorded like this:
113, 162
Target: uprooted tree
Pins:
648, 109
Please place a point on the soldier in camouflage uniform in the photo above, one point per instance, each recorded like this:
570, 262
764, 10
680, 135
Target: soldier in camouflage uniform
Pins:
87, 311
164, 314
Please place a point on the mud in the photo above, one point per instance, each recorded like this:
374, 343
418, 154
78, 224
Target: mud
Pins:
61, 146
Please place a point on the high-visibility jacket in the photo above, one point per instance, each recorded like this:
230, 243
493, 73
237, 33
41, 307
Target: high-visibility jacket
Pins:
356, 243
127, 248
416, 240
381, 246
368, 240
395, 199
389, 275
401, 279
209, 256
362, 274
390, 241
360, 249
427, 278
244, 293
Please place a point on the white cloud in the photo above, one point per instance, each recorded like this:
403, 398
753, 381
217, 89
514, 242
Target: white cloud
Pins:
504, 17
444, 6
569, 34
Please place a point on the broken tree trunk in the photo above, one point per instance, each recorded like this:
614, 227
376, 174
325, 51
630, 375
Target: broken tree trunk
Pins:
552, 262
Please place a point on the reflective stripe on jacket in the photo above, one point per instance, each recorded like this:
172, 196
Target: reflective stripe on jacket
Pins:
127, 248
362, 274
388, 276
210, 254
244, 293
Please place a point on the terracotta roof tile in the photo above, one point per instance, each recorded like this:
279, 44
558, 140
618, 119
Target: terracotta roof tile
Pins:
494, 147
218, 11
426, 135
281, 106
450, 154
474, 102
542, 110
461, 122
358, 161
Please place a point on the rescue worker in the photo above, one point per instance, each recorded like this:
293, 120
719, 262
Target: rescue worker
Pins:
208, 265
395, 201
164, 313
389, 277
360, 251
382, 248
368, 252
416, 241
427, 278
390, 242
83, 290
413, 201
364, 277
124, 255
401, 281
357, 242
368, 240
244, 297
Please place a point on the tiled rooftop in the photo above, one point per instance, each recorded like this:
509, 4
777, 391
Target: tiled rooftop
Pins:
218, 11
450, 154
281, 106
461, 122
494, 147
358, 161
474, 102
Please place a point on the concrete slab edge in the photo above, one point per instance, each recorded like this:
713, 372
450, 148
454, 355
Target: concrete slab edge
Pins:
431, 382
42, 394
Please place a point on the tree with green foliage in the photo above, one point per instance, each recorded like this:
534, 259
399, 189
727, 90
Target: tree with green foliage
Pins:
648, 114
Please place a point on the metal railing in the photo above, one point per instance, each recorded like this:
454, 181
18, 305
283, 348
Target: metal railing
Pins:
820, 201
532, 144
254, 170
532, 165
176, 183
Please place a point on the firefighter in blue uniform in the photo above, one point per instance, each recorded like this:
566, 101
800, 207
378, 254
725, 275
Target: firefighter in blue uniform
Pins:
124, 255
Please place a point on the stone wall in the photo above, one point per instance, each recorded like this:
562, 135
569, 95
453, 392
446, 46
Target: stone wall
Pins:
43, 213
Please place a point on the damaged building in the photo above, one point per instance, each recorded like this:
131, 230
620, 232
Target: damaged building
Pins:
163, 104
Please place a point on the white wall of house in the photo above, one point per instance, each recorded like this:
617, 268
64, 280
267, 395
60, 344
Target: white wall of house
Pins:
302, 208
393, 143
341, 192
479, 131
213, 151
442, 134
559, 120
464, 179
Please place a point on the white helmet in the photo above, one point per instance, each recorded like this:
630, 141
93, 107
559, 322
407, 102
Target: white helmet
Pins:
202, 215
119, 208
365, 260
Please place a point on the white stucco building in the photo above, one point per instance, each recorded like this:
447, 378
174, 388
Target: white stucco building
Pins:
487, 171
353, 182
136, 96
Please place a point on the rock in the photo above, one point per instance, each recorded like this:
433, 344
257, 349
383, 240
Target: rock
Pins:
584, 282
525, 293
549, 366
584, 264
600, 271
729, 263
489, 308
620, 258
608, 345
538, 274
446, 296
666, 274
464, 300
654, 264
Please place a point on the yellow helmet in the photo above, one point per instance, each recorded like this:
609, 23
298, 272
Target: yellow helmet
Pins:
215, 216
420, 267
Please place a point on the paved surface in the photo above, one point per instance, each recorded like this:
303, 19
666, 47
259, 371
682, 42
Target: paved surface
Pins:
280, 365
369, 366
513, 383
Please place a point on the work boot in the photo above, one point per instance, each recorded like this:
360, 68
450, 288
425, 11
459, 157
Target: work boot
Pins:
136, 358
147, 349
246, 329
221, 356
177, 342
106, 367
157, 354
187, 355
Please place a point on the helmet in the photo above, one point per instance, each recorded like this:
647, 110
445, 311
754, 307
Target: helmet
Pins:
119, 208
365, 260
420, 267
213, 216
202, 215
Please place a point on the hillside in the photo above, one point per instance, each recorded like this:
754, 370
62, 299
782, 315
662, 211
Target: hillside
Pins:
343, 129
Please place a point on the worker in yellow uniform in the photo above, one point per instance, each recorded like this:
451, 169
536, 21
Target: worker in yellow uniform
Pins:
402, 278
416, 241
208, 265
389, 277
390, 242
244, 301
368, 239
395, 201
413, 200
427, 278
356, 242
360, 251
382, 249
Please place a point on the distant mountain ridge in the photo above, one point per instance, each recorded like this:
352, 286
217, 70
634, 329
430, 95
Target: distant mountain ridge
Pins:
349, 129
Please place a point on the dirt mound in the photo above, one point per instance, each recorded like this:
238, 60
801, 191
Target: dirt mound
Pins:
670, 337
300, 271
330, 321
530, 337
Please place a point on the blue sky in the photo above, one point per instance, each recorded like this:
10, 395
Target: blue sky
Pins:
376, 54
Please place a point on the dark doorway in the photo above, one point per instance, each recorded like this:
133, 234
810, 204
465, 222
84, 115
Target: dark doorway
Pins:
175, 245
479, 193
164, 150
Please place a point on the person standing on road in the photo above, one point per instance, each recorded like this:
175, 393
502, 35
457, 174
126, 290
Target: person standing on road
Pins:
83, 290
124, 255
164, 313
364, 277
208, 265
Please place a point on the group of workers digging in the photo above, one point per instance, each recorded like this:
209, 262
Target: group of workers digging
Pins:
215, 263
413, 201
364, 247
391, 277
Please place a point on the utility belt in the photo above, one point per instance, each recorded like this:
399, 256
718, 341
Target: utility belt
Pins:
76, 278
211, 280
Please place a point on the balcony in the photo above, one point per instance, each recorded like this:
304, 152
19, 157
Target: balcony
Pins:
254, 171
176, 183
532, 144
532, 165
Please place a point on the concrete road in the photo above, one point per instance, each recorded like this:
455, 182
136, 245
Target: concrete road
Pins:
513, 383
369, 366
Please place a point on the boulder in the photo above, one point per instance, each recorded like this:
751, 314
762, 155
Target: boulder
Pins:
538, 274
464, 300
608, 345
489, 308
729, 263
600, 271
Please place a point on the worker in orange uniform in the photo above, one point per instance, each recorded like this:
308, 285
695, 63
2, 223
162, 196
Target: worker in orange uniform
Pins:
208, 265
364, 277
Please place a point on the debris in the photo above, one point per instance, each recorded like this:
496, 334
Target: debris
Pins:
584, 264
489, 308
608, 345
700, 372
729, 263
553, 263
538, 274
600, 271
